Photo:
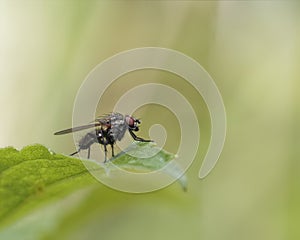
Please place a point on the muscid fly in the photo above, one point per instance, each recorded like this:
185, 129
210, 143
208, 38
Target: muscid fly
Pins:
107, 130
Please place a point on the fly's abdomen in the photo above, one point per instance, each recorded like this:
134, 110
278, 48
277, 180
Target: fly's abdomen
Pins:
88, 140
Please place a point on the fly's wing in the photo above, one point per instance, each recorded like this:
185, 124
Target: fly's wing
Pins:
118, 125
75, 129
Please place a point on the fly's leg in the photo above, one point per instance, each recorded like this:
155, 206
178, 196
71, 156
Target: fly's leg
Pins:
105, 152
75, 153
136, 138
89, 152
103, 141
112, 150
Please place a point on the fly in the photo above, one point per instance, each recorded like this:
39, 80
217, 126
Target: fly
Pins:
107, 130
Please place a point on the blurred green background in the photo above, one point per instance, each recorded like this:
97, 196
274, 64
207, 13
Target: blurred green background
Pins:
251, 49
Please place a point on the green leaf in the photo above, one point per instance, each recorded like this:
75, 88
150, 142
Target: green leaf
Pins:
36, 177
33, 176
145, 157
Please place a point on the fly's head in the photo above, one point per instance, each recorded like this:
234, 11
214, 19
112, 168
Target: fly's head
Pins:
132, 122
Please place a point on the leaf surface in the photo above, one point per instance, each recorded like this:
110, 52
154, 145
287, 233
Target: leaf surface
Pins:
36, 177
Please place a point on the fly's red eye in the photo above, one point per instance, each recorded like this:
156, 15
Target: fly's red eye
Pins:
130, 121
